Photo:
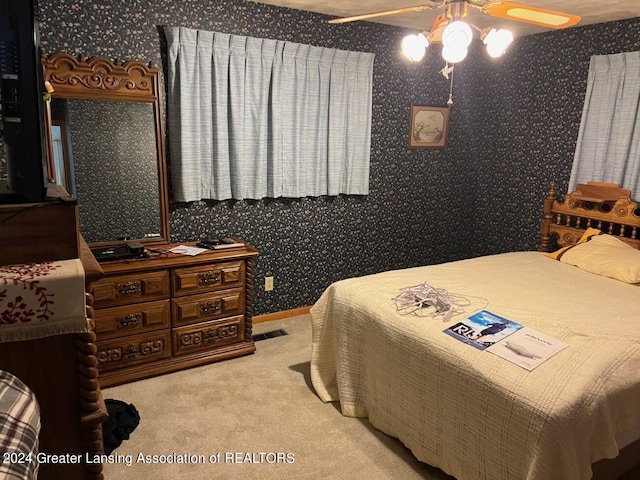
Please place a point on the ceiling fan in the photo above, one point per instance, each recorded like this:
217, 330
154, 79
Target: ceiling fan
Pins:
455, 34
496, 8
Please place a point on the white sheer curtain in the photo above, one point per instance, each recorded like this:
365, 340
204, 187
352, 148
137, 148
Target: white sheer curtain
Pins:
608, 147
254, 118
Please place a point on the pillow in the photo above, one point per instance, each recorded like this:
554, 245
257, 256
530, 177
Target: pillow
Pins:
586, 236
605, 255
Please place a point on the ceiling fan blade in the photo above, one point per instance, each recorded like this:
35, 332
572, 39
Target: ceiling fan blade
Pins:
437, 28
397, 11
529, 14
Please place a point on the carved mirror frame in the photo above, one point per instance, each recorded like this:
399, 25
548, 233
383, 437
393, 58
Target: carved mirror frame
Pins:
99, 78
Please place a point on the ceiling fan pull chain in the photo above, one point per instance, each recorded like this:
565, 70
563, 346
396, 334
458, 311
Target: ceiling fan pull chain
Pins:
450, 101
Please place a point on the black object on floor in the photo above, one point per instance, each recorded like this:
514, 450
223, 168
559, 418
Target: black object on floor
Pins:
273, 333
123, 419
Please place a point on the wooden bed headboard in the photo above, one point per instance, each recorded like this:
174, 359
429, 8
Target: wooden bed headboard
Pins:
604, 206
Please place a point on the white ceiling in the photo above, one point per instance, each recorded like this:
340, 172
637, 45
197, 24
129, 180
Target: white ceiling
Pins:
591, 11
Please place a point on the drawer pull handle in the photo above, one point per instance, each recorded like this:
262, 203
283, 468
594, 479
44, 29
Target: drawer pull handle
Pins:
202, 337
130, 352
146, 348
128, 288
132, 320
208, 278
209, 307
225, 331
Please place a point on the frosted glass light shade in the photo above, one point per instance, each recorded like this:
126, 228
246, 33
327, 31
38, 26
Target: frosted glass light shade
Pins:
454, 55
497, 42
457, 35
414, 46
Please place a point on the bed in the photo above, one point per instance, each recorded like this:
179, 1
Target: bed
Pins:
473, 414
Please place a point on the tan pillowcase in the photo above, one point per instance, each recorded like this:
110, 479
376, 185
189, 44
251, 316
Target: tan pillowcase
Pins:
605, 255
586, 236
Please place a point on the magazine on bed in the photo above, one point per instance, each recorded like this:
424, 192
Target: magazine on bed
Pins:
527, 348
483, 329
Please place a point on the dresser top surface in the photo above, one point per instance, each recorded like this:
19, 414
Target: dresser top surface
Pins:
161, 257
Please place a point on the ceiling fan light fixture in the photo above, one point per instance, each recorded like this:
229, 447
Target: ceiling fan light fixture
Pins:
415, 46
454, 55
497, 41
457, 35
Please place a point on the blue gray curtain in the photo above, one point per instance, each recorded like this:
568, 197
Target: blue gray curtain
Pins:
608, 147
254, 118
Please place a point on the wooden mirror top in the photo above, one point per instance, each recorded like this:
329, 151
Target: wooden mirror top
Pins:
82, 77
100, 79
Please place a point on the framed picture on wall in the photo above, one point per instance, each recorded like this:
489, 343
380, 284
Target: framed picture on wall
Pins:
429, 126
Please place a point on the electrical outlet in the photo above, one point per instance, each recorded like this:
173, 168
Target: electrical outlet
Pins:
268, 284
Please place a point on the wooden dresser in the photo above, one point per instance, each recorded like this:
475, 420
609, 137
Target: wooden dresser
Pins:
170, 312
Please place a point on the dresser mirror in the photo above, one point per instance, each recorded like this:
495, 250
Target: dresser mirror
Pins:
106, 146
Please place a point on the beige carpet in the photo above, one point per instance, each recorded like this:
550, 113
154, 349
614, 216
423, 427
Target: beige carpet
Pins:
258, 404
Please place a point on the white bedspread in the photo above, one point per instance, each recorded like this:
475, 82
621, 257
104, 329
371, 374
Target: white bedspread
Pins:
473, 414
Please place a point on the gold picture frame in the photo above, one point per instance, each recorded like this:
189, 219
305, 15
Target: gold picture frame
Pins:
429, 126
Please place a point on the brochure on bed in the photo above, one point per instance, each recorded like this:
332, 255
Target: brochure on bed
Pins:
527, 348
482, 329
472, 413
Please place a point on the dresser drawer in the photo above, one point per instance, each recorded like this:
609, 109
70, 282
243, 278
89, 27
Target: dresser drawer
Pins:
207, 278
208, 335
133, 350
127, 289
208, 306
132, 319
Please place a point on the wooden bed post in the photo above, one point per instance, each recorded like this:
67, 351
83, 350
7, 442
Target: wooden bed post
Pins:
548, 218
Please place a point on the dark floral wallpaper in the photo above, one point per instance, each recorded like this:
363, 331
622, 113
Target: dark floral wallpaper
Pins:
513, 129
